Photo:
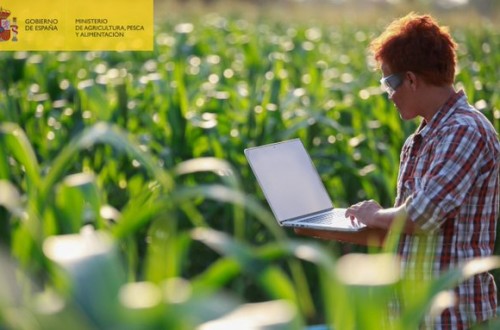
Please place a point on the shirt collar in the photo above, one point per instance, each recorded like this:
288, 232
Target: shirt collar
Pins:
442, 114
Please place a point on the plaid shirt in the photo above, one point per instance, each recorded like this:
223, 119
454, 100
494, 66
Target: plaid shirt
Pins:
449, 181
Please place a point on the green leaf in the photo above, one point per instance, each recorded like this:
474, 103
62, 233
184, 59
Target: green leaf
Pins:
15, 141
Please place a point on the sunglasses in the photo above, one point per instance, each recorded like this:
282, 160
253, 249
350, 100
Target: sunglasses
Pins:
391, 83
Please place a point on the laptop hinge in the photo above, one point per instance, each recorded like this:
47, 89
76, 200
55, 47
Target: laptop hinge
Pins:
305, 217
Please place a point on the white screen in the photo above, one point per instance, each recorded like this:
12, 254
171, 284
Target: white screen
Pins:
288, 179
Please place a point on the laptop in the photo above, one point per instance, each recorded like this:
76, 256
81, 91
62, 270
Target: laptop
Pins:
293, 188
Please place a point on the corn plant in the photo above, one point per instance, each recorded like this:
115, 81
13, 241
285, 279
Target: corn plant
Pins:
126, 200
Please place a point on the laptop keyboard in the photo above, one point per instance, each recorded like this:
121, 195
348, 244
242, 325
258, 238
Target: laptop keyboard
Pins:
333, 217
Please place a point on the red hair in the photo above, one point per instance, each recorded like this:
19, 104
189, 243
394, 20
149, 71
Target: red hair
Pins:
418, 44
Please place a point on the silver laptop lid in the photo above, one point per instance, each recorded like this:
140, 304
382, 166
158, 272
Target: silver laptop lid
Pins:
288, 178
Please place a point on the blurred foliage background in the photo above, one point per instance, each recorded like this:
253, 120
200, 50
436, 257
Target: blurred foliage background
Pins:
126, 200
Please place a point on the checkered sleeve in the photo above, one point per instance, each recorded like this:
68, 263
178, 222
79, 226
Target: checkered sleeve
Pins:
453, 168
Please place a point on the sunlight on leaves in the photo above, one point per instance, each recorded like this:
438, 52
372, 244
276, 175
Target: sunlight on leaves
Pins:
140, 295
177, 290
266, 315
441, 301
10, 197
76, 247
369, 270
480, 265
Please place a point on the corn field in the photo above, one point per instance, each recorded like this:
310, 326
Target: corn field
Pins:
126, 201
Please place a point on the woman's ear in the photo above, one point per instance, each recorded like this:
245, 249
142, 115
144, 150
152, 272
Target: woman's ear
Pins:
412, 79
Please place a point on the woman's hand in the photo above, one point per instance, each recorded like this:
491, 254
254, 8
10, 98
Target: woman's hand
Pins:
365, 212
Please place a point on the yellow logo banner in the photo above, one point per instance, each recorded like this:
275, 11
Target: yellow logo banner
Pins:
76, 25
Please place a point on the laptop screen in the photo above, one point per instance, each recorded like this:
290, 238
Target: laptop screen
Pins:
288, 178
